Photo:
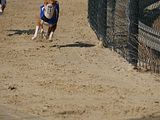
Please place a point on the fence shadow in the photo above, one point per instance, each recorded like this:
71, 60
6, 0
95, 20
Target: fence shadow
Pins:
20, 32
76, 44
147, 118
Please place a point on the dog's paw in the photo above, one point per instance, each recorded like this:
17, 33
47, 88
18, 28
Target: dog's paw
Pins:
50, 38
1, 11
45, 36
34, 37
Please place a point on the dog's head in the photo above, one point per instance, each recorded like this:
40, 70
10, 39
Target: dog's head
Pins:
49, 11
49, 2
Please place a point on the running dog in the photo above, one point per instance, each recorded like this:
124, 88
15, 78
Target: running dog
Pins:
49, 14
2, 6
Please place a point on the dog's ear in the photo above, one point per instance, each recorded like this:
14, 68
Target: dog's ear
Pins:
45, 2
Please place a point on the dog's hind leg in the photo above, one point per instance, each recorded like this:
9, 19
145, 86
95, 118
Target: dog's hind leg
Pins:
42, 30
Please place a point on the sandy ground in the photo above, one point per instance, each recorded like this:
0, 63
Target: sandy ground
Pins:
70, 78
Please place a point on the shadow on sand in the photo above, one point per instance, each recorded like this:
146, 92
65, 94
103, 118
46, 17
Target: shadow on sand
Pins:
20, 32
76, 44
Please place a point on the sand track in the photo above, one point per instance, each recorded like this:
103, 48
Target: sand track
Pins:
70, 78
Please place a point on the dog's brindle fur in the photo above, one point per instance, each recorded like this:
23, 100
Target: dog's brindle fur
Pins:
40, 23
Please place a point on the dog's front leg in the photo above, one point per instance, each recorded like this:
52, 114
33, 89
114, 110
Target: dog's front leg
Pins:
51, 35
51, 31
1, 8
36, 33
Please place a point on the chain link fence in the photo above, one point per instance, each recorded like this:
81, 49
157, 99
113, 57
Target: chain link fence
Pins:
130, 27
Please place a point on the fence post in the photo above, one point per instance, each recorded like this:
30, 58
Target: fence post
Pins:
102, 20
89, 9
133, 32
92, 14
111, 8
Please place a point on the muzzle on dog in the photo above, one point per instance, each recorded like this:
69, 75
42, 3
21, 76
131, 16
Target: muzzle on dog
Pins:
49, 11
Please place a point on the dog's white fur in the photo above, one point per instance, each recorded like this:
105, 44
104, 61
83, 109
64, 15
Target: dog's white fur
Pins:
0, 8
2, 5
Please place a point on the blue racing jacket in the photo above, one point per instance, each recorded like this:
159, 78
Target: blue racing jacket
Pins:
54, 19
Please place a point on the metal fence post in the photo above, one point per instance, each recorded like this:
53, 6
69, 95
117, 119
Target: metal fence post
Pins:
111, 8
101, 19
133, 31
